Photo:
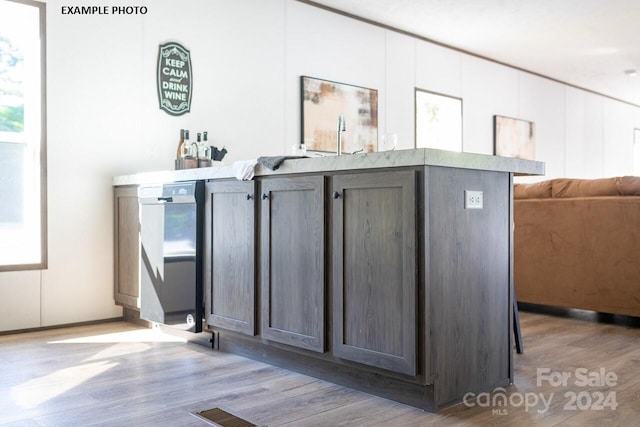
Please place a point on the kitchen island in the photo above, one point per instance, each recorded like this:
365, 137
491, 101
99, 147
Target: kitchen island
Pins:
387, 272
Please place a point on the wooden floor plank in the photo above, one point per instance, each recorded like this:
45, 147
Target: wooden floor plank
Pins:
368, 411
120, 374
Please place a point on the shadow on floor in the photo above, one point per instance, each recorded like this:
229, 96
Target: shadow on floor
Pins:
586, 315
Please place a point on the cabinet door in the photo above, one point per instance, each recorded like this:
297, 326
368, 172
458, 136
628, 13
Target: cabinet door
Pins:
374, 269
126, 247
292, 261
230, 284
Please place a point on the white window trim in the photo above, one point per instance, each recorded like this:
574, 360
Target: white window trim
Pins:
43, 263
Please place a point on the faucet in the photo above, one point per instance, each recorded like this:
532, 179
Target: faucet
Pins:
341, 128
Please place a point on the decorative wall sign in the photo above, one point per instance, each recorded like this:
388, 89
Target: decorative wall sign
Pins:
175, 79
514, 138
322, 104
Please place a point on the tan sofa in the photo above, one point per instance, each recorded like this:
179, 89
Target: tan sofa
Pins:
577, 244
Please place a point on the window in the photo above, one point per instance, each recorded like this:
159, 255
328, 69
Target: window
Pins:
438, 121
636, 152
22, 135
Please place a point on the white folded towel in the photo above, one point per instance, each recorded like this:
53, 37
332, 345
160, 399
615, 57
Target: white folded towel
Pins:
244, 169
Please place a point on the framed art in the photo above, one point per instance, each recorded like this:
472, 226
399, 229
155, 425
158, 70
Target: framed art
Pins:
514, 138
438, 121
324, 101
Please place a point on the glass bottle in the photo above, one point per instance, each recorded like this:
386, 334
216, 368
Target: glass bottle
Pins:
186, 146
180, 145
205, 144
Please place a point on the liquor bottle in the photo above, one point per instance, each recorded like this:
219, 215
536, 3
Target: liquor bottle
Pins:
205, 145
186, 147
180, 145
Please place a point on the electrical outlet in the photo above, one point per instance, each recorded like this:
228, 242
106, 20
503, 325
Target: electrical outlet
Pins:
473, 199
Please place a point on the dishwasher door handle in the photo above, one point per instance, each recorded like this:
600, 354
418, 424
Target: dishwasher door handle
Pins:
165, 199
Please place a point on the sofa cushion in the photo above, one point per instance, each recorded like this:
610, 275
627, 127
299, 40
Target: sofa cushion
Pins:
538, 190
629, 185
568, 187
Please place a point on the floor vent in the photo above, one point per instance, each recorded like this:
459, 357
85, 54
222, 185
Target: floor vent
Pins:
219, 418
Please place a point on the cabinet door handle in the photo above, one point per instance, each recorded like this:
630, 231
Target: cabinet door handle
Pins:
249, 196
264, 196
336, 195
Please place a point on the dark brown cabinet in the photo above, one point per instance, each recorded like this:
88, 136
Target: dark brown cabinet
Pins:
374, 269
126, 247
369, 271
230, 245
292, 246
469, 278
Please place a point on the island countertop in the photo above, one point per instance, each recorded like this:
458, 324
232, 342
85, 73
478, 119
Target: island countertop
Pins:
363, 161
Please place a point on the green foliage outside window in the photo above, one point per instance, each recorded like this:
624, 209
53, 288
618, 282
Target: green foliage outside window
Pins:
11, 95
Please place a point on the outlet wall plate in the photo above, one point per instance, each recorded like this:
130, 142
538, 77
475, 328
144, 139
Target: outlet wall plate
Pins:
473, 199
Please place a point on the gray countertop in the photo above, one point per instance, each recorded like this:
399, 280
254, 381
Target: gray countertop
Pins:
331, 163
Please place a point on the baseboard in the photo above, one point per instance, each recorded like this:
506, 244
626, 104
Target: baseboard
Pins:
66, 325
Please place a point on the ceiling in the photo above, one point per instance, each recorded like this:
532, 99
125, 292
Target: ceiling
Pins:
585, 43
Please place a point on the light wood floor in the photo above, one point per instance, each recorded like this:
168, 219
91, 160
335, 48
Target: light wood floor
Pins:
117, 374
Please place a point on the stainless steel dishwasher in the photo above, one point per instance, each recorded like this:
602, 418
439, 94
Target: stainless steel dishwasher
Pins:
171, 221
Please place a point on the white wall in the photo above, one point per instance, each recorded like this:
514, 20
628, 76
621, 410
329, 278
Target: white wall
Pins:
488, 89
237, 51
542, 101
248, 56
583, 148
